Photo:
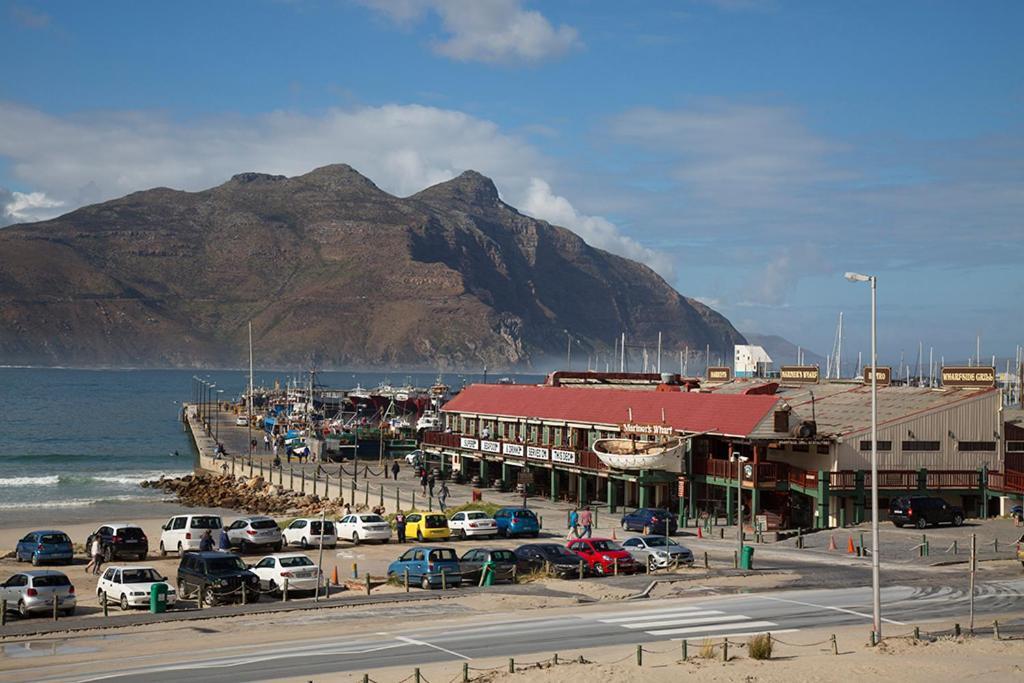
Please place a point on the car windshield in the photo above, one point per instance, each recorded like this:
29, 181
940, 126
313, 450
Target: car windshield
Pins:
130, 532
50, 581
205, 522
140, 575
298, 561
476, 515
436, 522
658, 541
55, 538
606, 545
556, 552
443, 555
223, 565
524, 514
371, 519
263, 524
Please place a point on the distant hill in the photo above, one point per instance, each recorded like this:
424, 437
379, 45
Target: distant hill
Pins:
783, 351
331, 270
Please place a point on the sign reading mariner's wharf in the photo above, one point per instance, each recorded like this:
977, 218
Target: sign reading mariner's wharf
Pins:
649, 430
883, 375
719, 374
799, 374
968, 377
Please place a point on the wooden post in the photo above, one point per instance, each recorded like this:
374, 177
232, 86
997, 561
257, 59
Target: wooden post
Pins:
683, 645
284, 590
639, 655
291, 478
55, 607
106, 605
511, 665
835, 645
406, 579
725, 650
581, 570
367, 583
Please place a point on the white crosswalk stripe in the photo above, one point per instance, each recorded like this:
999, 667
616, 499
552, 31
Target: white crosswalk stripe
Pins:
692, 621
655, 613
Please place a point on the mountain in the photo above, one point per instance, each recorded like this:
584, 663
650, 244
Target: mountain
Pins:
331, 270
783, 351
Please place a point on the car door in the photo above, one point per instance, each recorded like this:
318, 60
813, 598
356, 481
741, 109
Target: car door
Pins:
412, 524
470, 564
418, 566
457, 521
635, 547
25, 547
266, 570
293, 534
236, 531
14, 587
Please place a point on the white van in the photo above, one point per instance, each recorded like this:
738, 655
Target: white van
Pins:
184, 532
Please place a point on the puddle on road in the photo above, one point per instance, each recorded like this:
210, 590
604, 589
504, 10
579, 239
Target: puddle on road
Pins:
48, 648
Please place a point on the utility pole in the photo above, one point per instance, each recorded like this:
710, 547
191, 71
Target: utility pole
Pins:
622, 351
974, 567
659, 353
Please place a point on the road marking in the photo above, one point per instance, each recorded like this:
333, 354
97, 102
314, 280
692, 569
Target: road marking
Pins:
753, 633
705, 629
412, 641
653, 613
683, 622
829, 607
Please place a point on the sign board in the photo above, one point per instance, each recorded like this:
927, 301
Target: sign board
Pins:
647, 430
799, 374
682, 487
761, 523
567, 457
883, 375
490, 447
748, 471
719, 374
525, 476
968, 377
466, 442
514, 449
536, 453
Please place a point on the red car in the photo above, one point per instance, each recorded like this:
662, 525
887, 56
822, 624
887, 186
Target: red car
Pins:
600, 555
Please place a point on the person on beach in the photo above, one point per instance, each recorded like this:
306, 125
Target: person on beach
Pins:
586, 521
442, 496
400, 526
348, 509
224, 541
206, 542
96, 555
394, 470
574, 524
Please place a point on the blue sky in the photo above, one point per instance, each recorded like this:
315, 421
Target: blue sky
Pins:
751, 151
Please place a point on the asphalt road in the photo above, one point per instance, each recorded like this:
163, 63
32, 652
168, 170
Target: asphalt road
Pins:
639, 622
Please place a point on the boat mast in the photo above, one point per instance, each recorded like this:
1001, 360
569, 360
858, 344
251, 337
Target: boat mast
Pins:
250, 390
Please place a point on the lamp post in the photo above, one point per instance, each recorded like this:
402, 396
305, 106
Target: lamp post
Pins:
875, 588
216, 434
740, 459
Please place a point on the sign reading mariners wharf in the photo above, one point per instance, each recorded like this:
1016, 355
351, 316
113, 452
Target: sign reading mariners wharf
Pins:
883, 375
968, 377
719, 374
649, 430
800, 374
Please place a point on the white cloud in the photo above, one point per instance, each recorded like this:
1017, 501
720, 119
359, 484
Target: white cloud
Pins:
541, 202
493, 31
21, 207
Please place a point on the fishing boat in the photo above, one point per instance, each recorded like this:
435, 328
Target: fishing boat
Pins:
633, 454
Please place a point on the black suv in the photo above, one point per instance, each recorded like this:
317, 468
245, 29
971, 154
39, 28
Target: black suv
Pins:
120, 540
921, 511
216, 577
558, 559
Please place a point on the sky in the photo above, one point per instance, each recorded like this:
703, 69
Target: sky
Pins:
749, 151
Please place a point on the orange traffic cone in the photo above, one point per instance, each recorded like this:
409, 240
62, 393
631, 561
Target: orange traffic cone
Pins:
699, 534
613, 534
832, 543
849, 546
334, 576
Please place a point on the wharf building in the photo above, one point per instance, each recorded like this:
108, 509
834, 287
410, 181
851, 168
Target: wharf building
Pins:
794, 451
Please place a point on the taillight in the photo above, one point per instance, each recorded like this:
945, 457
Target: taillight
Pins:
71, 590
250, 532
288, 574
116, 539
909, 511
188, 535
430, 566
31, 592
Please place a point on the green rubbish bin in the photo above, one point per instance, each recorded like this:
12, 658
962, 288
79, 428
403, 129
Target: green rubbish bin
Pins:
158, 598
747, 557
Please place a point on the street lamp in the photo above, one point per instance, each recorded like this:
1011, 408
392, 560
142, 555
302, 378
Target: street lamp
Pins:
216, 436
740, 459
875, 588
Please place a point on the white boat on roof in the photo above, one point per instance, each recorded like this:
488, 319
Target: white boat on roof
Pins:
632, 454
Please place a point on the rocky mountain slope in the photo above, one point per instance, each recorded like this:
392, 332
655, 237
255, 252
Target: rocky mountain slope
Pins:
331, 270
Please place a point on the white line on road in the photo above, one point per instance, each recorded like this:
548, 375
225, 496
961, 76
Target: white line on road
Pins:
752, 633
654, 613
683, 622
413, 641
705, 629
829, 607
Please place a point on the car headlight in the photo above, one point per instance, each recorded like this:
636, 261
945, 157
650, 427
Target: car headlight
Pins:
606, 558
660, 553
218, 582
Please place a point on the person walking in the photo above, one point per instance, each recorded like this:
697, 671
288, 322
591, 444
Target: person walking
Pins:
206, 542
423, 481
224, 541
574, 524
394, 470
586, 520
400, 526
430, 485
95, 552
442, 496
266, 442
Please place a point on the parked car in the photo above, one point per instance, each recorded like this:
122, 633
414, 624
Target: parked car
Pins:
427, 527
120, 540
39, 547
601, 554
503, 561
657, 551
216, 577
242, 421
300, 571
515, 521
426, 564
305, 532
472, 523
184, 532
552, 557
364, 527
922, 511
129, 586
32, 591
649, 521
249, 533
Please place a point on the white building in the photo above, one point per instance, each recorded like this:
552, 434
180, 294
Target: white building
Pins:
750, 361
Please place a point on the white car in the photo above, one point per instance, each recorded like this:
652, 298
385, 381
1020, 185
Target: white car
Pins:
472, 523
259, 530
242, 421
129, 586
305, 532
184, 532
300, 571
364, 527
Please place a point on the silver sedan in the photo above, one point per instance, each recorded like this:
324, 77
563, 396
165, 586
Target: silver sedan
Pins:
34, 591
658, 551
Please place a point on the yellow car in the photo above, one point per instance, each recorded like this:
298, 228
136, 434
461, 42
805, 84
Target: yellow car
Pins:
427, 527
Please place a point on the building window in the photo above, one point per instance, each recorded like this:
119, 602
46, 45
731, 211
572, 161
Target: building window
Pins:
800, 448
1015, 446
882, 445
823, 449
921, 446
976, 445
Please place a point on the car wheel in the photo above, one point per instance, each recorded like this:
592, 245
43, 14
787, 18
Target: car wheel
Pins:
599, 568
23, 610
355, 538
209, 599
108, 554
272, 587
385, 540
922, 523
535, 534
651, 565
124, 602
163, 551
419, 536
425, 583
140, 557
35, 560
304, 543
625, 525
277, 547
462, 534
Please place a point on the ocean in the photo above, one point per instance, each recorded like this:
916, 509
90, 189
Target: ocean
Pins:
75, 444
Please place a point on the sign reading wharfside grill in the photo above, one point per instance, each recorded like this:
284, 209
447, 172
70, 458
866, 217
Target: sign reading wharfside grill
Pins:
968, 377
799, 374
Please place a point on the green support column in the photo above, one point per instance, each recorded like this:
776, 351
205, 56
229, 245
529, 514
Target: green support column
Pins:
755, 504
728, 505
822, 500
505, 472
922, 479
483, 472
612, 503
842, 512
581, 489
858, 497
554, 485
645, 491
692, 502
983, 481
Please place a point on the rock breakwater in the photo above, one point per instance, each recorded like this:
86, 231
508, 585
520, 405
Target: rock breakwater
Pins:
248, 494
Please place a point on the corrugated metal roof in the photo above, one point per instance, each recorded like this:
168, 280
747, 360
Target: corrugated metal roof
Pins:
734, 415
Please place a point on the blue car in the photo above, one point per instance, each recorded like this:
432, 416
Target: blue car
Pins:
649, 520
517, 522
40, 547
426, 565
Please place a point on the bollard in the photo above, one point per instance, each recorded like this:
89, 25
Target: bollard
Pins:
917, 633
366, 497
106, 607
615, 566
355, 570
416, 675
955, 549
444, 580
581, 570
995, 629
871, 639
956, 630
382, 495
647, 567
721, 533
55, 607
3, 613
413, 500
291, 478
367, 583
284, 590
511, 665
725, 650
995, 545
245, 598
554, 659
430, 504
540, 521
735, 559
705, 559
406, 579
465, 672
639, 655
683, 645
397, 505
366, 678
547, 568
835, 645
